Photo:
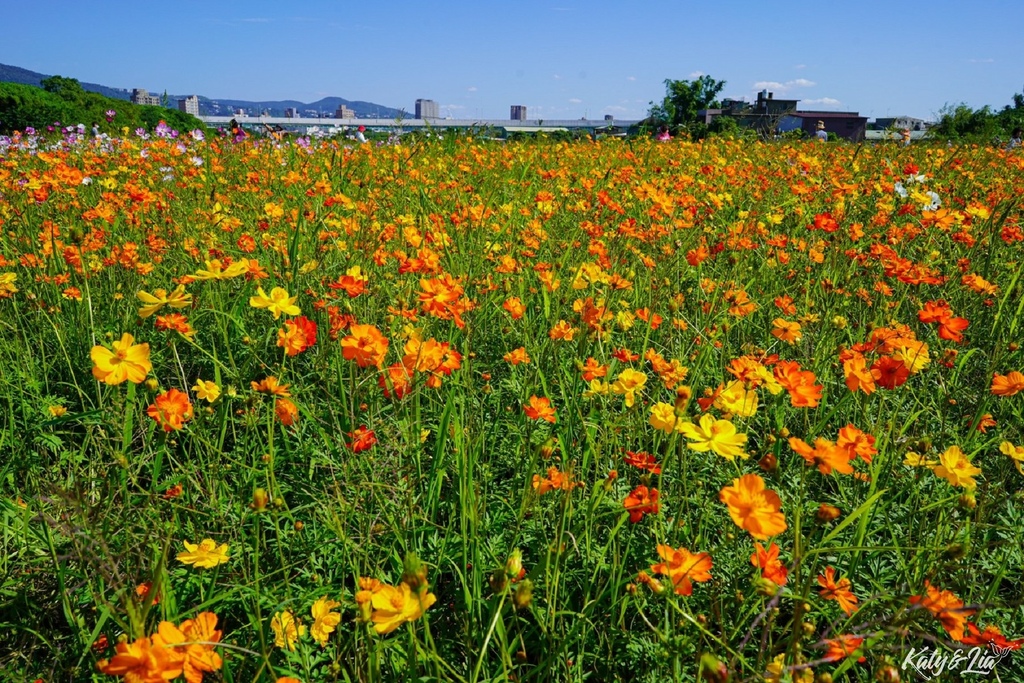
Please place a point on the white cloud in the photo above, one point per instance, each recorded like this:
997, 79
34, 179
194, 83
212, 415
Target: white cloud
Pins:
557, 77
612, 108
696, 74
824, 101
257, 20
776, 86
575, 100
630, 78
800, 66
980, 61
471, 88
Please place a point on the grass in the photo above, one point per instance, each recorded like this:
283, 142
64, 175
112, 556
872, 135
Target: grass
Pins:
648, 252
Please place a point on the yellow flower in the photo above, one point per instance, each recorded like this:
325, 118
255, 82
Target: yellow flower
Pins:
393, 606
207, 554
737, 400
714, 435
955, 468
914, 355
128, 361
917, 460
57, 411
160, 298
628, 383
215, 270
324, 620
277, 303
596, 388
7, 288
663, 417
287, 630
1016, 453
206, 390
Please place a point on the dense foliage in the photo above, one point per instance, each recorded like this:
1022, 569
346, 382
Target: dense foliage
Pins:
469, 411
63, 101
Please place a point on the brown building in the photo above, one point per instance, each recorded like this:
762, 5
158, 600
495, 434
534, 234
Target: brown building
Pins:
769, 116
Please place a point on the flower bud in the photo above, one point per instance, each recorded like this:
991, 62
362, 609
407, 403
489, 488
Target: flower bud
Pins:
514, 565
523, 595
968, 501
768, 462
259, 500
826, 513
152, 384
713, 669
415, 574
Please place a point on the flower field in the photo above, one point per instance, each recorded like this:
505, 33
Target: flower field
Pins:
542, 411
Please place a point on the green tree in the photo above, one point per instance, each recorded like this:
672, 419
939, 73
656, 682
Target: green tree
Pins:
683, 99
68, 89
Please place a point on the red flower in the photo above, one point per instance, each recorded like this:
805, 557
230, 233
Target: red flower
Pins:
641, 501
363, 439
644, 461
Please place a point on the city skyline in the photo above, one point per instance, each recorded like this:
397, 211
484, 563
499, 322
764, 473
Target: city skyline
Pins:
561, 60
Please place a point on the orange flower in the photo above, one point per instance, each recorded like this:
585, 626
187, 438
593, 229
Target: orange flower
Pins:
991, 635
554, 481
753, 507
396, 380
593, 370
1009, 384
946, 607
889, 372
644, 461
858, 375
641, 501
270, 385
803, 392
540, 409
201, 635
517, 356
286, 411
562, 331
171, 410
683, 567
857, 443
362, 439
825, 455
768, 562
842, 647
365, 345
787, 331
353, 282
297, 335
144, 661
838, 591
514, 307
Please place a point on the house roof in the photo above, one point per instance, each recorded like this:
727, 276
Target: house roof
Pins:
829, 114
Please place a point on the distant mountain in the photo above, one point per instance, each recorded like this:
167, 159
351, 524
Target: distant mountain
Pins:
15, 74
209, 106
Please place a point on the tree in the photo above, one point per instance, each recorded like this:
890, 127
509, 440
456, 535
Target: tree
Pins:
683, 99
68, 89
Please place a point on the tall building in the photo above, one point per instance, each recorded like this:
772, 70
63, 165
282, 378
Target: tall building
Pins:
291, 113
142, 96
427, 109
344, 112
518, 112
189, 105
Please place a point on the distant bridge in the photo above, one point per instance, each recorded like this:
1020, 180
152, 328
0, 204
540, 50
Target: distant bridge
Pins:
528, 126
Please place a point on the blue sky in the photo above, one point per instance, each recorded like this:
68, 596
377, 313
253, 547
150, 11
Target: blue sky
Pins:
561, 58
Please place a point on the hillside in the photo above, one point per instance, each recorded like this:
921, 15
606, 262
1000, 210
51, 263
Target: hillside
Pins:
211, 106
